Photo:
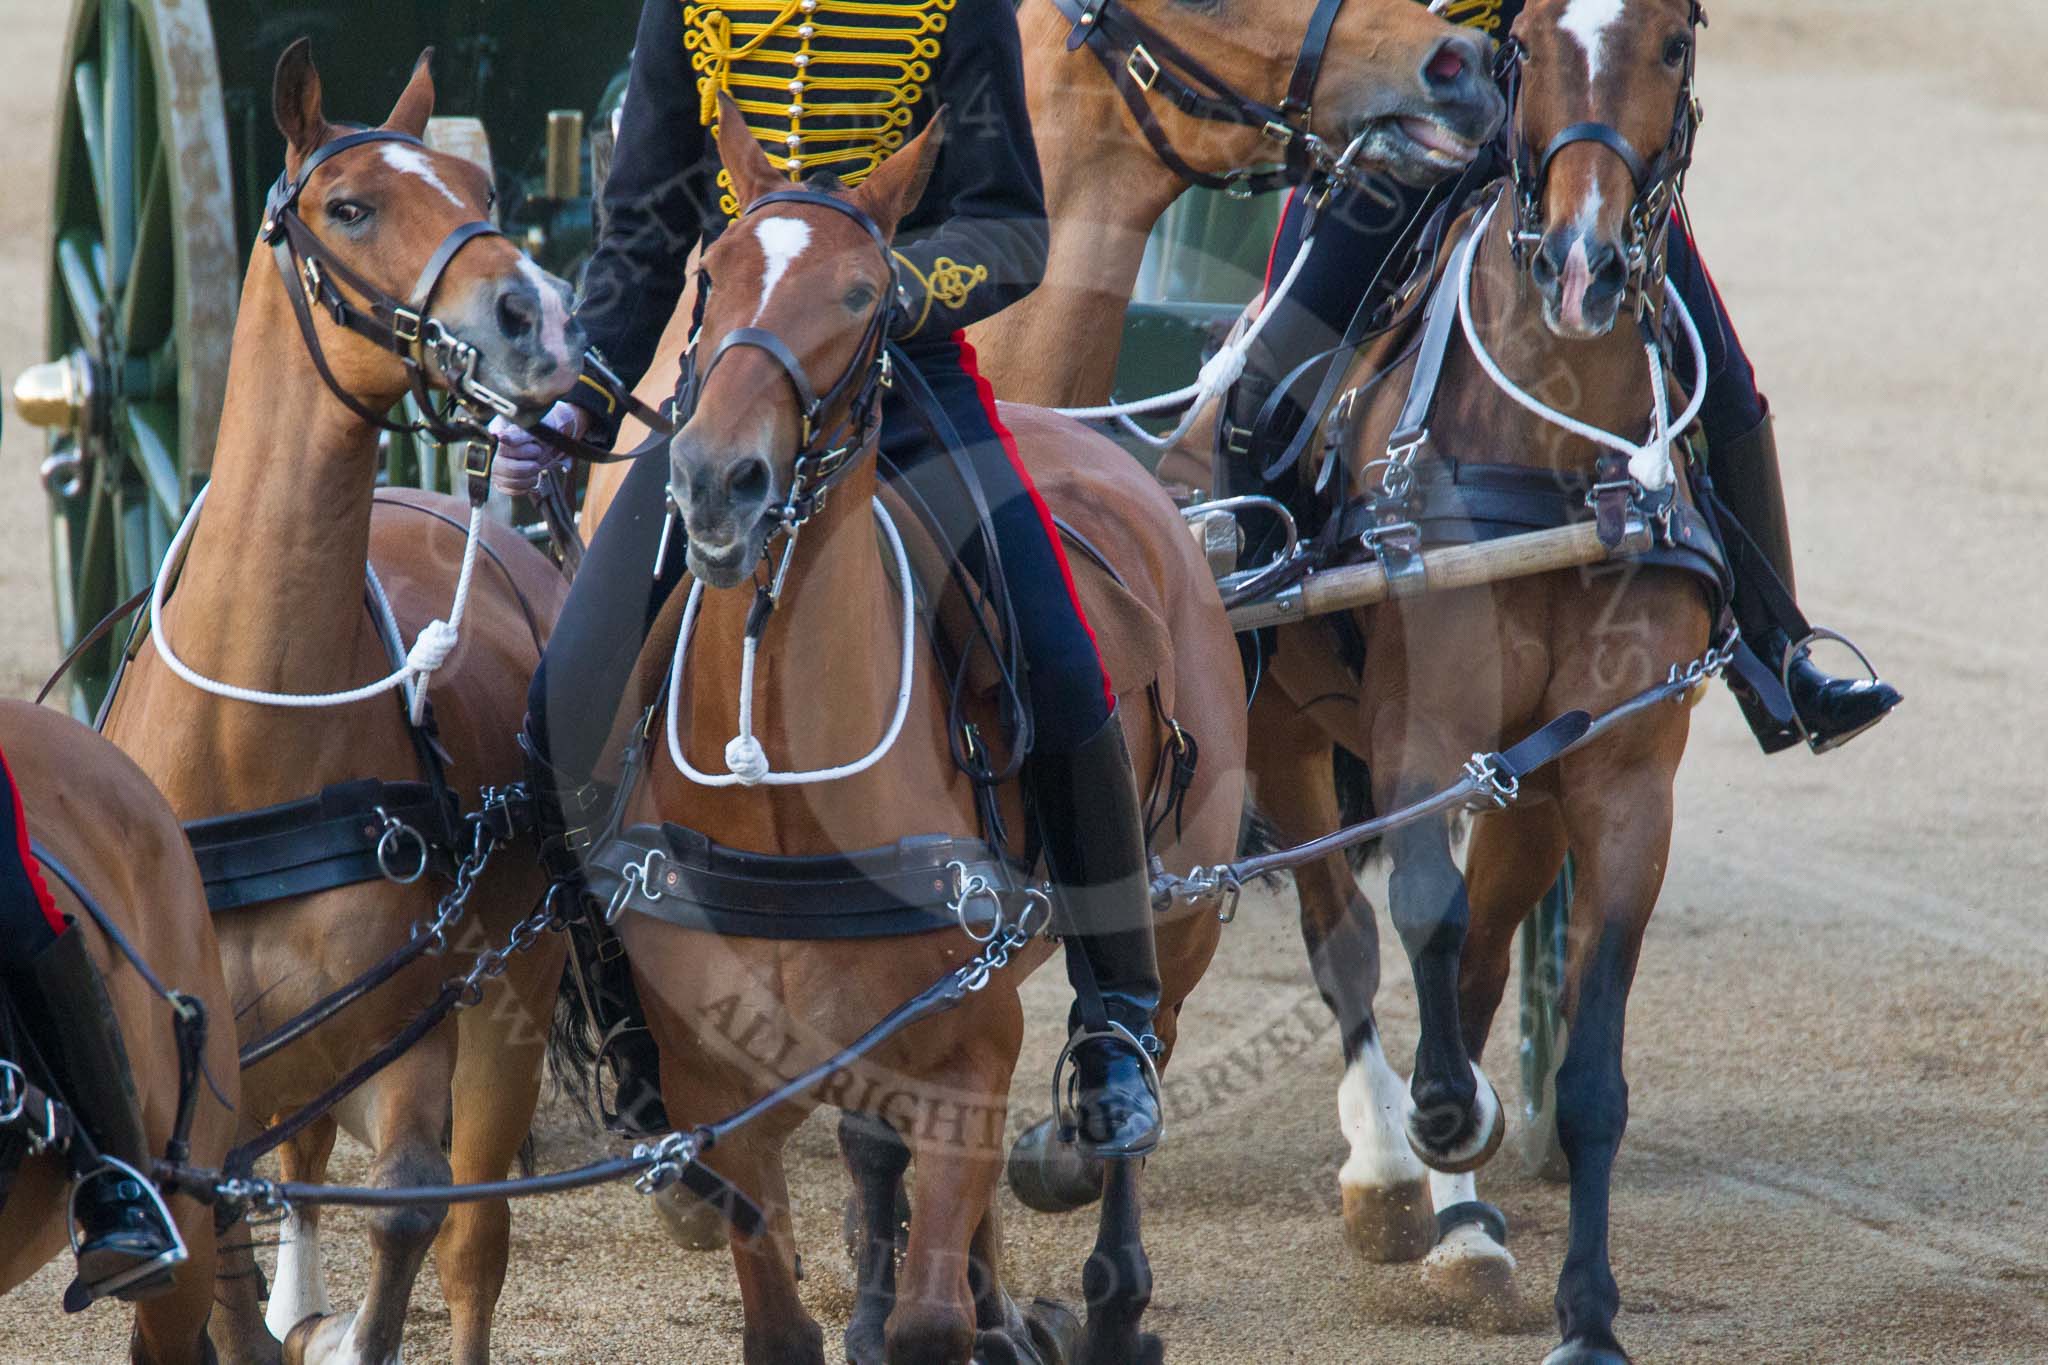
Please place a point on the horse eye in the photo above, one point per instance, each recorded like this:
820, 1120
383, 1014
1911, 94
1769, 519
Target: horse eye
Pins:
859, 299
347, 212
1675, 51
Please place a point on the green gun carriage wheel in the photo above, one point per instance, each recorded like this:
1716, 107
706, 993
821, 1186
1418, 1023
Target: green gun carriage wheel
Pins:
1542, 948
144, 276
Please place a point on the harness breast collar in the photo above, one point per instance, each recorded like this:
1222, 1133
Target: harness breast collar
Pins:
1143, 61
405, 328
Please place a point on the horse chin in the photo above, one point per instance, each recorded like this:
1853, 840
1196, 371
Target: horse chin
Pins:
1590, 327
727, 567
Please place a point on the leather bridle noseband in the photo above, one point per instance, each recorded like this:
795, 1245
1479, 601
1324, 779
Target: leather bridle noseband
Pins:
1143, 61
405, 328
823, 455
1659, 182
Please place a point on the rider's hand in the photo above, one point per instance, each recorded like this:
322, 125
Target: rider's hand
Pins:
523, 457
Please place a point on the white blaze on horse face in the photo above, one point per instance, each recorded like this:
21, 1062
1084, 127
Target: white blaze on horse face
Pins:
782, 241
554, 310
1587, 21
1372, 1109
409, 160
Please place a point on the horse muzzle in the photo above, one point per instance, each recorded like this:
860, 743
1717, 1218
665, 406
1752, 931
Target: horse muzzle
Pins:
1438, 126
726, 509
529, 344
1583, 278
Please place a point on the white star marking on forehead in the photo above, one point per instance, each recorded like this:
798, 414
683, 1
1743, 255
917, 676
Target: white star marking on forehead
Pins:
1588, 22
407, 160
782, 241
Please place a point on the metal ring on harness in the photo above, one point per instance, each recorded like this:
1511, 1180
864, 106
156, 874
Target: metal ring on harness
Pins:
1064, 1121
969, 888
13, 1092
396, 832
635, 877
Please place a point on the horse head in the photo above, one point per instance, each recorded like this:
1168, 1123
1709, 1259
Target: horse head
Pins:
795, 294
388, 210
1603, 129
1418, 91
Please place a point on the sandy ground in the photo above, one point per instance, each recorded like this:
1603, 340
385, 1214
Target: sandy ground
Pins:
1837, 1149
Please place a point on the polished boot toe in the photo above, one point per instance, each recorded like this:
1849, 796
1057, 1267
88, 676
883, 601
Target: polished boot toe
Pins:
126, 1251
1836, 710
1115, 1112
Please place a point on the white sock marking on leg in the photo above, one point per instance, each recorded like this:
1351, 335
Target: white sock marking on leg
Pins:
1372, 1108
300, 1288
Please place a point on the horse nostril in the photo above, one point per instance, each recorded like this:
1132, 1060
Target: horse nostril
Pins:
748, 481
1548, 267
518, 314
1452, 63
1610, 271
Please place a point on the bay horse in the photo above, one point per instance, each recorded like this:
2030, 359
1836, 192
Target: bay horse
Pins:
99, 816
735, 1015
1385, 64
1602, 131
272, 596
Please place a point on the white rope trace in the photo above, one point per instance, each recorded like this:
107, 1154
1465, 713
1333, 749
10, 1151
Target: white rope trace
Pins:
428, 653
746, 762
1649, 462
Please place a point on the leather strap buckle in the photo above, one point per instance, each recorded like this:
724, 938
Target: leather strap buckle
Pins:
1143, 67
406, 325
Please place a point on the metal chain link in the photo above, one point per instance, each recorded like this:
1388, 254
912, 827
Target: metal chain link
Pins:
493, 963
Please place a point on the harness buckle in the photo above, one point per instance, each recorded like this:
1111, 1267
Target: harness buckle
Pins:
1147, 73
406, 325
1279, 131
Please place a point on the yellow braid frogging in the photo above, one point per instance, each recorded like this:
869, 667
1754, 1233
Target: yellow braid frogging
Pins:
948, 284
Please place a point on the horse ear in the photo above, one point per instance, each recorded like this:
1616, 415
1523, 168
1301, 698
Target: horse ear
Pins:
416, 105
895, 186
746, 165
295, 100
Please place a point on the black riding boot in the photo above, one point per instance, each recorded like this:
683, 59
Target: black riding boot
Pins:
567, 816
1089, 816
1830, 711
127, 1250
1243, 447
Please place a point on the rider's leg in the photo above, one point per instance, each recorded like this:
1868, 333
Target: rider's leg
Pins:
1742, 456
618, 592
71, 1025
1079, 777
1356, 234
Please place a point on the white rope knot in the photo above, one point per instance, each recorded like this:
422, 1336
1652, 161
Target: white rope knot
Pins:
437, 641
1221, 370
746, 760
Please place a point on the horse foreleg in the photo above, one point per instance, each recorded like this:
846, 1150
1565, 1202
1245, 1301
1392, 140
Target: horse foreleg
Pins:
1620, 823
1117, 1280
876, 1158
402, 1114
299, 1290
170, 1329
778, 1331
502, 1042
957, 1153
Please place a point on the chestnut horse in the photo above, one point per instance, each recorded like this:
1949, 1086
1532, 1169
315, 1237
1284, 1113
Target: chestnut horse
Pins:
734, 1015
97, 814
272, 596
1105, 187
1450, 674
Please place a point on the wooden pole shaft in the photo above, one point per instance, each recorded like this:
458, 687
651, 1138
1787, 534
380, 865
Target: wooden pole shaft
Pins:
1452, 566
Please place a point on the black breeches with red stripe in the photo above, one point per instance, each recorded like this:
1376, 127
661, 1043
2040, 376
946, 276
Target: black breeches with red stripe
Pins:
615, 599
1068, 692
29, 920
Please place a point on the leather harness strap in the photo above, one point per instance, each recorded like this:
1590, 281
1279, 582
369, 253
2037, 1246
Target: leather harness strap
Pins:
678, 875
330, 839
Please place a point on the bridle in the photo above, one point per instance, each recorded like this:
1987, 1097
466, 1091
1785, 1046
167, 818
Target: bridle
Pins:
824, 454
1659, 182
1142, 61
405, 328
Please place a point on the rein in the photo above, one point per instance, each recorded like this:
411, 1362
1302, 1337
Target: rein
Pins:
1143, 61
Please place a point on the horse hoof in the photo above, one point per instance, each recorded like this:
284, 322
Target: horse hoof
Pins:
318, 1337
1585, 1353
690, 1223
1052, 1176
1055, 1330
1469, 1278
1389, 1223
1473, 1141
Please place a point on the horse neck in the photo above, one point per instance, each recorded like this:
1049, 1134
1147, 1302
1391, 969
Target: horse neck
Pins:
1058, 346
275, 566
1602, 381
825, 678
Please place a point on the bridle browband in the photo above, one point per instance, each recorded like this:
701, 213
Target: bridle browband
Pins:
1659, 182
405, 328
1142, 61
823, 455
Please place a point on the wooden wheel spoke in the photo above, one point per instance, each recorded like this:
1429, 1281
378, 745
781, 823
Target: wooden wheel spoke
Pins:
146, 305
89, 97
153, 428
117, 207
82, 268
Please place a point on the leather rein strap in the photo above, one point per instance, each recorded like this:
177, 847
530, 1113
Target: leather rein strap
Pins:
1142, 61
315, 277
